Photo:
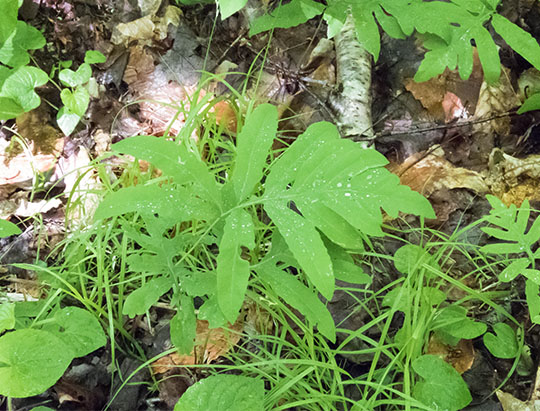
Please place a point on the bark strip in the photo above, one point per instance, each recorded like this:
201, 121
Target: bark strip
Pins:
352, 102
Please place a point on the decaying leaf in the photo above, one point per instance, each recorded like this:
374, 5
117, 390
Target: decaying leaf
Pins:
431, 174
19, 205
461, 357
514, 180
210, 344
146, 29
448, 97
21, 169
511, 403
493, 99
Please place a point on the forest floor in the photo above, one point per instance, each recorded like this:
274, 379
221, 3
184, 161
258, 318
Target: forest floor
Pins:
452, 140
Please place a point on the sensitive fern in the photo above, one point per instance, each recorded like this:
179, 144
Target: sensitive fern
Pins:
515, 239
323, 195
447, 28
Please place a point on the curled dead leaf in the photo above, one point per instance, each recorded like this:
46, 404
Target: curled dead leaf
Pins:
210, 344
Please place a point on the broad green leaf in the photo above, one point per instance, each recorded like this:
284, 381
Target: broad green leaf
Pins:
531, 103
287, 15
31, 361
211, 312
184, 326
8, 18
174, 204
72, 78
223, 392
517, 38
335, 227
449, 29
335, 17
7, 228
499, 234
76, 101
67, 120
232, 269
488, 53
515, 268
300, 297
502, 248
306, 245
532, 275
454, 321
397, 298
41, 408
533, 235
344, 178
9, 108
7, 316
198, 284
344, 267
228, 7
14, 50
389, 24
78, 329
94, 57
20, 86
442, 387
511, 224
411, 258
436, 60
504, 344
532, 293
175, 160
140, 300
367, 30
253, 143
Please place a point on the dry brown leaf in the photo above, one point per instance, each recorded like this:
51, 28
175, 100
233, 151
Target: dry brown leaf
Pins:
210, 344
434, 176
461, 357
20, 170
493, 100
146, 29
511, 403
432, 172
430, 94
512, 179
441, 93
20, 206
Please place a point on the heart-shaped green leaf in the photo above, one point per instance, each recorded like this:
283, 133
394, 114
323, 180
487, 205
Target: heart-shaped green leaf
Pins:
31, 361
7, 228
504, 343
7, 316
72, 78
8, 18
94, 57
442, 388
67, 120
223, 392
77, 101
20, 85
79, 330
14, 50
